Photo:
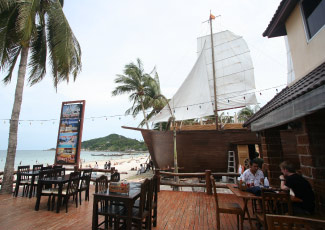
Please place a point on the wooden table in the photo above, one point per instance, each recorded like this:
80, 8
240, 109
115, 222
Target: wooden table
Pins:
31, 173
127, 199
60, 181
249, 196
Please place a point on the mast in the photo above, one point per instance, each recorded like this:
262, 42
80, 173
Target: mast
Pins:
214, 72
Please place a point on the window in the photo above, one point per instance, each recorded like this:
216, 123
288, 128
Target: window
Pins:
314, 13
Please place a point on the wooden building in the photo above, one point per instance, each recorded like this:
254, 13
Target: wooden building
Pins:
292, 124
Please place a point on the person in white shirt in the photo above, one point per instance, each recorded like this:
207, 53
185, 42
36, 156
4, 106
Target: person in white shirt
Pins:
253, 173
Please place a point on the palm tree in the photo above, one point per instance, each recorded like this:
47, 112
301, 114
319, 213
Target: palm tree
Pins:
245, 113
136, 82
37, 27
152, 99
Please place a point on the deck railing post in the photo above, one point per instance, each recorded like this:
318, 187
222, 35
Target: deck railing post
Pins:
157, 173
208, 182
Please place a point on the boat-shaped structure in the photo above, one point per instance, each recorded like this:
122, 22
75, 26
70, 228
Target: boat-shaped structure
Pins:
222, 78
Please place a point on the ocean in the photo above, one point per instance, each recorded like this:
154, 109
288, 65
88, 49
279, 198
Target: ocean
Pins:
29, 157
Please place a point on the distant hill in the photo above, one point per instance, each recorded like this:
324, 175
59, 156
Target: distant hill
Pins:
114, 142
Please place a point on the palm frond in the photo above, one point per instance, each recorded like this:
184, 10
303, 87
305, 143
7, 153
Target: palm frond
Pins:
64, 49
12, 63
38, 56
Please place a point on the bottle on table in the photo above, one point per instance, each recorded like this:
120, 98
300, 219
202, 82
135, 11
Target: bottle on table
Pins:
266, 183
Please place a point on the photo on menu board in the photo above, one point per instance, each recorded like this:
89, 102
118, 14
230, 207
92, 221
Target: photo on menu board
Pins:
68, 138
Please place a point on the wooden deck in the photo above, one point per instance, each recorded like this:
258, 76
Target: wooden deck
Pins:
176, 210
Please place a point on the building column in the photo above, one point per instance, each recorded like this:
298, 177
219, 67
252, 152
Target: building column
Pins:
272, 154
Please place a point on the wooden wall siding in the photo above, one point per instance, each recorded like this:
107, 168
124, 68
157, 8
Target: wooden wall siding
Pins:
209, 126
176, 210
197, 150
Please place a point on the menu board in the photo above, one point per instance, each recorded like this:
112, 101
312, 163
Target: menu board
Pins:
70, 132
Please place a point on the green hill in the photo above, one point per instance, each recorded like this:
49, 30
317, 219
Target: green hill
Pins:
114, 142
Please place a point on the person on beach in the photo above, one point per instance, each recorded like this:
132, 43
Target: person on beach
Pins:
109, 165
300, 187
105, 165
141, 170
95, 167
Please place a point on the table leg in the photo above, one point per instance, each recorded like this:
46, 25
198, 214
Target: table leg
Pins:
58, 205
17, 185
38, 195
31, 186
246, 211
95, 214
129, 206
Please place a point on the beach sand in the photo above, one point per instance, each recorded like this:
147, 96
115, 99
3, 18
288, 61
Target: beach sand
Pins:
123, 166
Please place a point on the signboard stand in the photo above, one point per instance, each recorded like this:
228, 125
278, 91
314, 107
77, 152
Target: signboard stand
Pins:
70, 133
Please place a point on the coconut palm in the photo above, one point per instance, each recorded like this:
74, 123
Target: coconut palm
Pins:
152, 99
38, 28
245, 113
136, 82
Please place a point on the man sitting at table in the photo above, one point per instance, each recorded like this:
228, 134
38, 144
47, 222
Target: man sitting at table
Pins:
300, 187
253, 174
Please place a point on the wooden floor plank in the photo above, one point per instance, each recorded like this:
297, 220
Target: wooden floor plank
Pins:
176, 210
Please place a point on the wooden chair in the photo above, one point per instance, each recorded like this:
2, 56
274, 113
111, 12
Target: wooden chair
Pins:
228, 208
154, 204
46, 167
142, 214
23, 180
106, 209
45, 190
84, 183
34, 185
274, 203
279, 222
115, 177
70, 190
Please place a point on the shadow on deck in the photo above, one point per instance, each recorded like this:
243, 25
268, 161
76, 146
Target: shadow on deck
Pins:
176, 210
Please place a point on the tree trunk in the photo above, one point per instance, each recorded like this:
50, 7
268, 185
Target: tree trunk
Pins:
14, 121
144, 113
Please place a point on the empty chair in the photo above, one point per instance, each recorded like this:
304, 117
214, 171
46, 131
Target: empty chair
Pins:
293, 222
70, 190
107, 209
45, 190
46, 167
115, 177
84, 183
22, 180
33, 186
141, 214
37, 167
274, 203
57, 166
229, 208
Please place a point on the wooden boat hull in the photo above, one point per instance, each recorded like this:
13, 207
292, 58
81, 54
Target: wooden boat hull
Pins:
197, 150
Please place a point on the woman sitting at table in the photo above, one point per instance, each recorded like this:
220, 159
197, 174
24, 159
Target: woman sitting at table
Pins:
300, 187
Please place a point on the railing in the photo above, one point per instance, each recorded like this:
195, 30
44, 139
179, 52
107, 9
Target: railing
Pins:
206, 175
70, 169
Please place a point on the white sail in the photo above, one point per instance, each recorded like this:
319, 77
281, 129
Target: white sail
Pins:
234, 79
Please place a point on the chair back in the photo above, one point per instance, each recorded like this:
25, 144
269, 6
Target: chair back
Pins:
57, 166
145, 197
101, 184
46, 167
59, 172
275, 222
25, 168
37, 167
215, 194
85, 179
276, 203
73, 184
115, 177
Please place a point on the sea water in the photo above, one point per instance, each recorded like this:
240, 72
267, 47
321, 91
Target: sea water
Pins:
32, 157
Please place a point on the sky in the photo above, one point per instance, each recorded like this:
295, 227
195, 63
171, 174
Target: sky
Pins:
162, 34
